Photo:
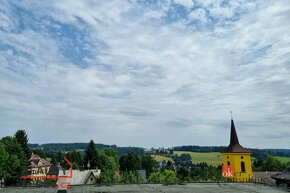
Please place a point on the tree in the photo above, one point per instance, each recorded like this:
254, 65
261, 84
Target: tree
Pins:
53, 159
108, 177
112, 153
75, 158
203, 173
273, 164
59, 156
91, 155
257, 165
15, 165
105, 162
22, 139
108, 163
183, 160
75, 166
149, 164
39, 152
130, 162
108, 169
169, 166
3, 159
183, 174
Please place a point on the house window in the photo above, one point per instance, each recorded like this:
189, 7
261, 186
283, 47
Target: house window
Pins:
91, 179
243, 167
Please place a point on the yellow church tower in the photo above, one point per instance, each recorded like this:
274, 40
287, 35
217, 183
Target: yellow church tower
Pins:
236, 159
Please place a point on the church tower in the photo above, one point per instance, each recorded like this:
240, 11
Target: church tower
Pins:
237, 159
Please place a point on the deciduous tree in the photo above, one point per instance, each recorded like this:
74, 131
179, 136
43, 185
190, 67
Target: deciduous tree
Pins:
149, 164
130, 162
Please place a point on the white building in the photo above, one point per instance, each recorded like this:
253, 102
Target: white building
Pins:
80, 177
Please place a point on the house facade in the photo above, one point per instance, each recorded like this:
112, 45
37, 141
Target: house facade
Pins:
38, 166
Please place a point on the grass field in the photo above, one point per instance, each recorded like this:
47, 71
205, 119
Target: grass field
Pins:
161, 158
285, 160
211, 158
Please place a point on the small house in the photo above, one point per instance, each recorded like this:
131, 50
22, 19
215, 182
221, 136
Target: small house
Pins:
80, 177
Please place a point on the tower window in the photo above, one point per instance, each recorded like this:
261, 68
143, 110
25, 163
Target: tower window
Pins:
229, 163
243, 167
227, 157
242, 157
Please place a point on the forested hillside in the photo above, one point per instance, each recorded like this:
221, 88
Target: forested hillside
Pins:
64, 147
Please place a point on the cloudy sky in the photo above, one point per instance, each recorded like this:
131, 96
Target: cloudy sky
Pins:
148, 73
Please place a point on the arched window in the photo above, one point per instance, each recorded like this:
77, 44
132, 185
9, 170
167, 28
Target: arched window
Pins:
229, 163
243, 167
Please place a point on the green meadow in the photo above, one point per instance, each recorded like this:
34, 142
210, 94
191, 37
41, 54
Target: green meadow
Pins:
285, 160
161, 158
211, 158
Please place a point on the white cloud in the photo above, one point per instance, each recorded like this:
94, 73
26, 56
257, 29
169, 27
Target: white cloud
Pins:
199, 15
146, 80
186, 3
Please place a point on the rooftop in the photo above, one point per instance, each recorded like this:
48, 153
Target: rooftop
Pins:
36, 161
154, 188
234, 146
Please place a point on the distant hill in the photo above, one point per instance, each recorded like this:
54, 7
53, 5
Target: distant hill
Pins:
67, 146
63, 147
195, 148
259, 154
286, 151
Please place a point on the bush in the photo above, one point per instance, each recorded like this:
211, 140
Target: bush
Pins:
183, 174
166, 176
273, 164
131, 177
108, 177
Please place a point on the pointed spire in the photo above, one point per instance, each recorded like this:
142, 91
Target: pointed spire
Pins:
234, 146
234, 136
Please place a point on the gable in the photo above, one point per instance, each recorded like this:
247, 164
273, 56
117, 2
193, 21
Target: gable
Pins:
90, 179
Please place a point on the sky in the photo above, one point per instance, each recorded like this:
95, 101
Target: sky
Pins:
149, 73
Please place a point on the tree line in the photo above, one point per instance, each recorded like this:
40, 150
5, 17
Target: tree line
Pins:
52, 148
15, 154
259, 154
